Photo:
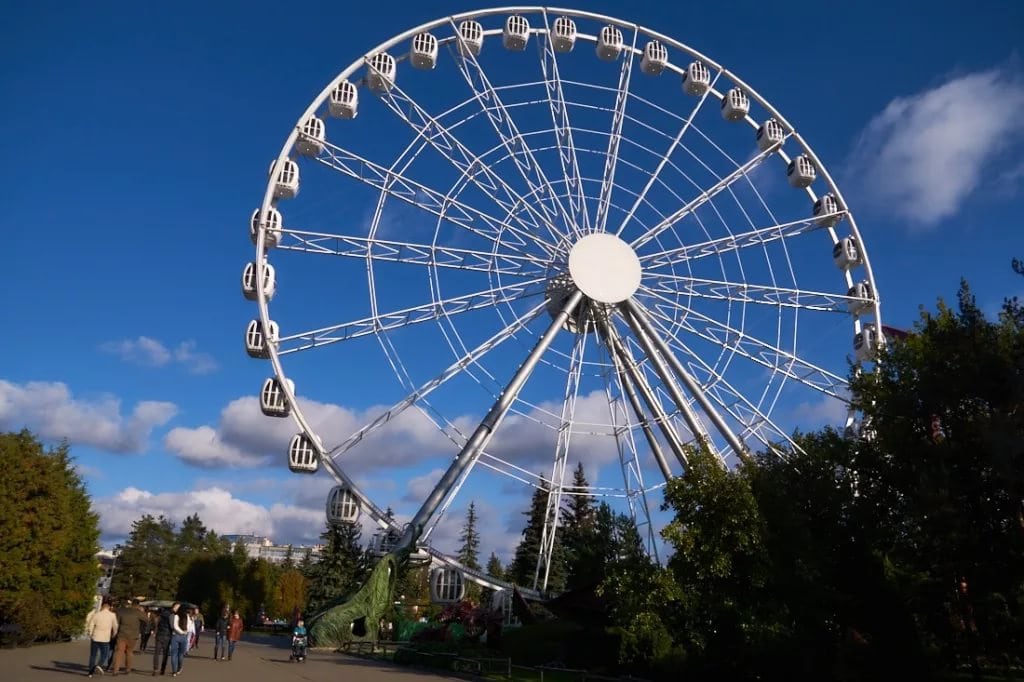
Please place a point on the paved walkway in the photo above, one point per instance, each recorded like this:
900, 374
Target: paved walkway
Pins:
255, 660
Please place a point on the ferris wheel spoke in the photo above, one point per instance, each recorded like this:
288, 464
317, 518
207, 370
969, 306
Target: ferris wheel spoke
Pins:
397, 186
324, 336
734, 402
477, 442
757, 350
611, 158
508, 132
707, 195
563, 132
742, 292
562, 441
732, 242
668, 154
432, 255
445, 143
422, 391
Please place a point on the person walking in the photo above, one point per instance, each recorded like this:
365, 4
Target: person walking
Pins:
162, 644
130, 622
102, 629
179, 639
190, 636
220, 637
235, 628
147, 631
197, 618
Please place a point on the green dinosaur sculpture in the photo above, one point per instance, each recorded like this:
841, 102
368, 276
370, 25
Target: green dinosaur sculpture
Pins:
355, 617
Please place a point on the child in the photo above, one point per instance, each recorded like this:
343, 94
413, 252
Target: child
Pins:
299, 641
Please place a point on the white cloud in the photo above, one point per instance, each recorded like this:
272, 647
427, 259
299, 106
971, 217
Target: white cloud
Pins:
417, 489
828, 411
150, 352
219, 510
924, 154
49, 409
244, 437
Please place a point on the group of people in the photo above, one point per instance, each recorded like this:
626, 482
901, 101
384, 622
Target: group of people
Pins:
176, 631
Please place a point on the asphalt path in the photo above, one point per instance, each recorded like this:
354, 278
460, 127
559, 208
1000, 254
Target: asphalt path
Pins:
256, 659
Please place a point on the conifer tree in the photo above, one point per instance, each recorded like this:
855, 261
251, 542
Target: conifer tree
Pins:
524, 563
577, 529
341, 567
469, 550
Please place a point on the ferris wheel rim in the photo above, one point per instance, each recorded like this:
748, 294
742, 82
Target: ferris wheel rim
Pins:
318, 103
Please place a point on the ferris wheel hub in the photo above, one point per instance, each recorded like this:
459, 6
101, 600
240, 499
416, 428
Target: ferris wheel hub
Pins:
605, 268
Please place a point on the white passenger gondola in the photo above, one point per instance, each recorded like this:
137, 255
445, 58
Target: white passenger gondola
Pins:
447, 585
696, 79
273, 401
303, 454
861, 291
801, 172
865, 343
846, 253
735, 105
286, 182
311, 141
423, 53
826, 211
380, 72
272, 227
655, 58
344, 100
342, 506
563, 34
769, 133
471, 37
609, 43
249, 281
516, 33
257, 344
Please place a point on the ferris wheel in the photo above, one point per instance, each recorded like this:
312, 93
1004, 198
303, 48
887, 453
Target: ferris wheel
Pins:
567, 237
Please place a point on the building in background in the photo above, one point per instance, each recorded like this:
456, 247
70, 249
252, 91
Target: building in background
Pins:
262, 547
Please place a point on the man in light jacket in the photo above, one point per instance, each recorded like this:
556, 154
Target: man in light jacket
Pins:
102, 628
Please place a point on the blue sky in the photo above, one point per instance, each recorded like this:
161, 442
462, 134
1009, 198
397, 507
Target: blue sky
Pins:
138, 138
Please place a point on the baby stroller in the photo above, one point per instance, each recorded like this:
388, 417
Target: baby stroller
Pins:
298, 648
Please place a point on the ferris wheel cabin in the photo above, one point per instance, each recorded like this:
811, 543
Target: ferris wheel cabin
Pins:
303, 454
342, 506
609, 44
862, 292
471, 38
769, 133
447, 585
257, 344
563, 34
516, 33
423, 53
655, 58
344, 101
272, 227
696, 79
801, 172
735, 105
826, 211
864, 343
286, 183
311, 141
846, 253
380, 72
249, 281
273, 401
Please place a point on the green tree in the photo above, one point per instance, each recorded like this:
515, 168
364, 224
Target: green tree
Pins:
341, 568
48, 539
523, 569
469, 550
148, 564
290, 592
577, 529
495, 569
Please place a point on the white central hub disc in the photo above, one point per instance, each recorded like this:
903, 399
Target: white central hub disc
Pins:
605, 268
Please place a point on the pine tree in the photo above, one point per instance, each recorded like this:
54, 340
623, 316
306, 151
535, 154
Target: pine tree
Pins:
524, 564
469, 550
48, 539
289, 559
148, 564
495, 569
577, 527
341, 568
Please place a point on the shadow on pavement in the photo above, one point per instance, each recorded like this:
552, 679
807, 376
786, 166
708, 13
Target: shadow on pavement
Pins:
62, 667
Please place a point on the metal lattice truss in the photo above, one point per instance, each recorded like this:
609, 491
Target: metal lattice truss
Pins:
455, 204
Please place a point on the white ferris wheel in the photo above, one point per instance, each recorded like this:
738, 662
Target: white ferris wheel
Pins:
597, 240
